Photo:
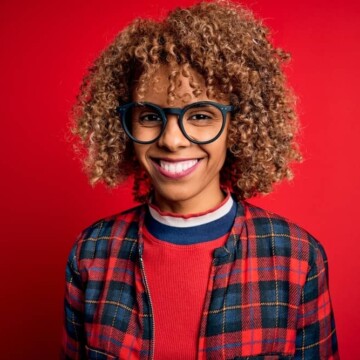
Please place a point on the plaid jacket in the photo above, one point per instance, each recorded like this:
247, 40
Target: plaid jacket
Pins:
267, 294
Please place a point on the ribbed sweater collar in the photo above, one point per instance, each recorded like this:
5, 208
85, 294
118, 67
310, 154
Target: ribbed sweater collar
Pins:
192, 228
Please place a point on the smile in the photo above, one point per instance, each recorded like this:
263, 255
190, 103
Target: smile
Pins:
176, 169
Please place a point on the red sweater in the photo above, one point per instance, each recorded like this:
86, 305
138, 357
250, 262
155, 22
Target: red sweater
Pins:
177, 277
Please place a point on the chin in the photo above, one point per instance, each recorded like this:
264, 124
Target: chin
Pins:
176, 195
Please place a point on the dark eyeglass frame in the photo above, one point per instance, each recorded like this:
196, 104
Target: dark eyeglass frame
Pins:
224, 109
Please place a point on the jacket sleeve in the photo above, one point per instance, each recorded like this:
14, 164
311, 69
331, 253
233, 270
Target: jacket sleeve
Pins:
73, 339
316, 334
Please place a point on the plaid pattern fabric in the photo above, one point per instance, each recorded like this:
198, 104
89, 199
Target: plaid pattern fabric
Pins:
267, 295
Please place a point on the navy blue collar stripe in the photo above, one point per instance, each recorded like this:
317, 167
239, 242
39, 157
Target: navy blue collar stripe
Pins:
194, 234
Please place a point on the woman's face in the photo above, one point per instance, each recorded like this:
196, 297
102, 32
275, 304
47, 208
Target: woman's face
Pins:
185, 176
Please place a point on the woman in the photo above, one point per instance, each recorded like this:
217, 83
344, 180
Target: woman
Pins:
196, 108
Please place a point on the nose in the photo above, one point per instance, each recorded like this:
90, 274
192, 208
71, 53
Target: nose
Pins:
172, 138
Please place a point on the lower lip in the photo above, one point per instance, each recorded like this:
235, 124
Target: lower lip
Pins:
172, 175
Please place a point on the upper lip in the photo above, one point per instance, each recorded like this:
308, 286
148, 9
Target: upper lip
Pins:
157, 159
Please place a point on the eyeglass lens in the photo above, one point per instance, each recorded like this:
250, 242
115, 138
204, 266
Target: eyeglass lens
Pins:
200, 122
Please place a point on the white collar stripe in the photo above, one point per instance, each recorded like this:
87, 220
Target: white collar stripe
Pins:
195, 220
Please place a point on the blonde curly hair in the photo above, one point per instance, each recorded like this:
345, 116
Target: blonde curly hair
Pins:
231, 49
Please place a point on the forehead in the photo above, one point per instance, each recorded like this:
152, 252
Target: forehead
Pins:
170, 85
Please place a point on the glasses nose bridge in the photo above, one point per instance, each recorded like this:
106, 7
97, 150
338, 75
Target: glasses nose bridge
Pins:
172, 111
172, 133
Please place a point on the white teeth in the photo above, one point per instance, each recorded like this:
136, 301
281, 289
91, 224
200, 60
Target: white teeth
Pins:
177, 167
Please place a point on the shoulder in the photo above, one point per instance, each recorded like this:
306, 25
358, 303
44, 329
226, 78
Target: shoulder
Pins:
120, 221
107, 233
277, 235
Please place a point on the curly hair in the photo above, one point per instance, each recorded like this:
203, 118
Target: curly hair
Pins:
231, 49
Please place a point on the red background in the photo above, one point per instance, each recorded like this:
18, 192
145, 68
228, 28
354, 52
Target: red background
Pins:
46, 200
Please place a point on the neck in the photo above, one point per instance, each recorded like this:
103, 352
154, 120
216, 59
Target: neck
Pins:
189, 206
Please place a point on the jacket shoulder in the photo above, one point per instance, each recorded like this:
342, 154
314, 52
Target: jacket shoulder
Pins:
99, 238
276, 233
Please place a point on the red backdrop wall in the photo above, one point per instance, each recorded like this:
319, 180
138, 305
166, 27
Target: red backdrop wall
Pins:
46, 200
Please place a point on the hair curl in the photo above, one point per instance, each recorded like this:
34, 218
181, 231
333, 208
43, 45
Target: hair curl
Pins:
231, 49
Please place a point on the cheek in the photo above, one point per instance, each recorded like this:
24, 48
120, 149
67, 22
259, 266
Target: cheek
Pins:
217, 154
139, 152
140, 155
223, 152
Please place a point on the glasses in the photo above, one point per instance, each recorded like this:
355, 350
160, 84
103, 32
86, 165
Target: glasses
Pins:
200, 122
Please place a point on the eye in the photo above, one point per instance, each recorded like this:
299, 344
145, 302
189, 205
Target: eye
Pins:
199, 116
150, 117
147, 119
202, 116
